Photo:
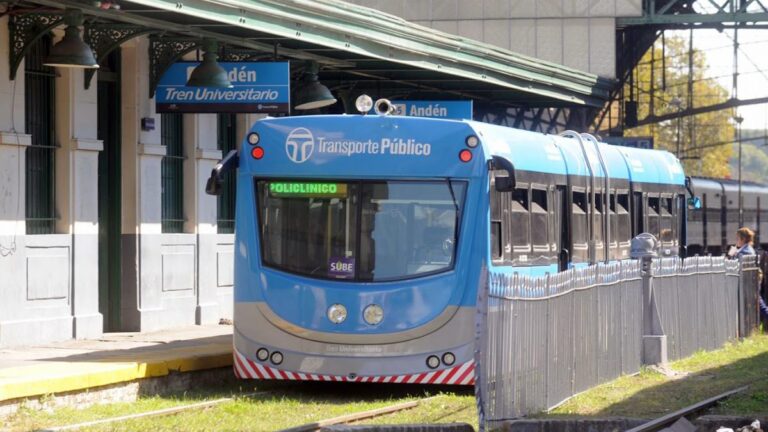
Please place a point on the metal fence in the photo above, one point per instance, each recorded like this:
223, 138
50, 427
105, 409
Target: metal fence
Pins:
697, 300
541, 340
749, 293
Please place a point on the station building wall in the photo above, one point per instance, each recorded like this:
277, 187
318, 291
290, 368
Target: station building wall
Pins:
576, 33
49, 283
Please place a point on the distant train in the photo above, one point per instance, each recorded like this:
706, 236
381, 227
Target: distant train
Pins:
361, 241
712, 227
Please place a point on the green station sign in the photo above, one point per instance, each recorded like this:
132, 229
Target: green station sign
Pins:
307, 190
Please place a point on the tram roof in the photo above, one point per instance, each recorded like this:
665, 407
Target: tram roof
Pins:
371, 48
554, 154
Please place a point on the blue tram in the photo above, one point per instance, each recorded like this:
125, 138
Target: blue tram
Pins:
361, 240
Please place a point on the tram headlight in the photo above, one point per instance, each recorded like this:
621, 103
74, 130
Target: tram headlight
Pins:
337, 313
449, 359
253, 138
472, 141
276, 357
433, 362
262, 354
364, 103
373, 314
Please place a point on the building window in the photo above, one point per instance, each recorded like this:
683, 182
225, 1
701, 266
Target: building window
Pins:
39, 112
227, 138
172, 171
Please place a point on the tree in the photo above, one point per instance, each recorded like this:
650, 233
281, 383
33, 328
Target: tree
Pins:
754, 165
704, 142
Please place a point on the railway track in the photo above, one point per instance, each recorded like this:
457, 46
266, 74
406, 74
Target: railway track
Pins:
364, 415
314, 426
155, 413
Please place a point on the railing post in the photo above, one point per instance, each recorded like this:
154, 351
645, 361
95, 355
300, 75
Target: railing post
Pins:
749, 317
482, 346
644, 248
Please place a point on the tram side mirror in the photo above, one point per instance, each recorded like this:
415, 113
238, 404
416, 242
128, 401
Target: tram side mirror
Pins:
694, 203
230, 162
508, 183
213, 185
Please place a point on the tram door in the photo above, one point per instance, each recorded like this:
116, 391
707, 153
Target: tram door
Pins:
108, 81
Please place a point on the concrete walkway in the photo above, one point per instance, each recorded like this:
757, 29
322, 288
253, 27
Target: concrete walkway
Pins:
116, 357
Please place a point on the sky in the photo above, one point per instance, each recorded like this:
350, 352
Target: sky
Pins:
753, 67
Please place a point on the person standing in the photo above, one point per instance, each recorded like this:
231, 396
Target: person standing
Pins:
744, 238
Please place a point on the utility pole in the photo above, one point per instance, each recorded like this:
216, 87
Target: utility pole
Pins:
678, 104
738, 119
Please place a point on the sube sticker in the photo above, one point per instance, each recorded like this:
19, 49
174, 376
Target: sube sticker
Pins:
341, 267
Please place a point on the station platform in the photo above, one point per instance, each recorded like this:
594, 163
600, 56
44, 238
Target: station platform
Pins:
78, 365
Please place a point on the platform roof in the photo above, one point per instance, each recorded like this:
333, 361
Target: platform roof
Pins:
361, 48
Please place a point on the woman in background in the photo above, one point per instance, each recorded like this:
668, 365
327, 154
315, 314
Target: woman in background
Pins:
744, 238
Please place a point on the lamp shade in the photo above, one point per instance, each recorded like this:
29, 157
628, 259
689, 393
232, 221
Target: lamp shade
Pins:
71, 51
312, 95
209, 73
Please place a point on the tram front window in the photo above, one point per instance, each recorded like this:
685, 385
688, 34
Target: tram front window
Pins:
365, 231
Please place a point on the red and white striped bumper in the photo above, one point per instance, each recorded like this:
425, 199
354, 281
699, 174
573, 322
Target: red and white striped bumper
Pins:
463, 374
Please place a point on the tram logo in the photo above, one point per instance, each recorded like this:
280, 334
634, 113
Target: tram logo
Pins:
299, 145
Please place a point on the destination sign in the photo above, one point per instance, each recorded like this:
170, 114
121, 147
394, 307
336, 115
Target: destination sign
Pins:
257, 87
307, 190
445, 109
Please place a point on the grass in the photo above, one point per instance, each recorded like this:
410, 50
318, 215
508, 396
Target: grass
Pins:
703, 375
644, 395
258, 414
285, 405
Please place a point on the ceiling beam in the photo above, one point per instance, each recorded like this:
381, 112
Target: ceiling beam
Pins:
730, 103
128, 17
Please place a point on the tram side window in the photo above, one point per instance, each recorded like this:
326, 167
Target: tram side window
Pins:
638, 225
597, 224
558, 228
679, 218
520, 224
539, 213
653, 216
666, 234
496, 218
623, 232
613, 226
579, 227
496, 240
